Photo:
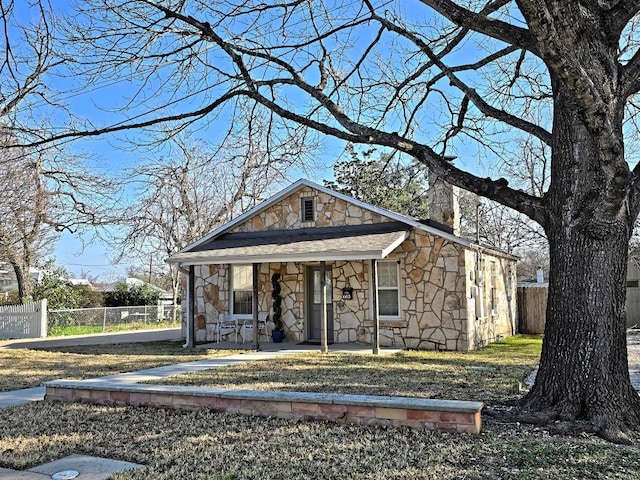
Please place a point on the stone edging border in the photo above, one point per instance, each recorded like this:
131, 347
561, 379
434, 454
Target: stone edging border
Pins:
422, 413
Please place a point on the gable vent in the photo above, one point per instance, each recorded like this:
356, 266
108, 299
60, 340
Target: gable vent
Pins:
307, 209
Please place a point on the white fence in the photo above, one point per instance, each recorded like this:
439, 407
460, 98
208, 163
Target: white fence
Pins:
24, 321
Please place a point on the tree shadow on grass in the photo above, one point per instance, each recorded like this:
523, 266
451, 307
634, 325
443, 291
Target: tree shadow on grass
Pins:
404, 375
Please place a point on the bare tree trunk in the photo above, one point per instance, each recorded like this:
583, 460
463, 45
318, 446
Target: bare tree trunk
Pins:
583, 371
25, 283
583, 368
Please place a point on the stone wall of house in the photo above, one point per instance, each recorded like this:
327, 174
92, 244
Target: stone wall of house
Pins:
484, 271
432, 290
438, 299
329, 210
438, 286
434, 294
351, 315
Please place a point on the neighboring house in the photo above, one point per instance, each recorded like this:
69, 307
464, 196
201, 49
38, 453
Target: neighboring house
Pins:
8, 282
433, 289
7, 278
166, 298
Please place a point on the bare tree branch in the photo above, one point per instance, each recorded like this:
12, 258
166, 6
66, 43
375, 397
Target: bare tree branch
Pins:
470, 93
480, 22
630, 77
620, 12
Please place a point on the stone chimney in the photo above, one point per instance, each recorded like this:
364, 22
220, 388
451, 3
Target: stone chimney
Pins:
443, 203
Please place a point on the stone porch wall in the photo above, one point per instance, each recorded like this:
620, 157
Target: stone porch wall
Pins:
420, 413
213, 298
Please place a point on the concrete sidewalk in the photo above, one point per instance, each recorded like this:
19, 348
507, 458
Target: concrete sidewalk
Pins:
95, 339
270, 350
21, 397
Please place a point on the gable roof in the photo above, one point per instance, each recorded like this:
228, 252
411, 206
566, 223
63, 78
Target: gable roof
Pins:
351, 242
409, 221
346, 242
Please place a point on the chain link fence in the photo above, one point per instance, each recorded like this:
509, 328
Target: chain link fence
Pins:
112, 319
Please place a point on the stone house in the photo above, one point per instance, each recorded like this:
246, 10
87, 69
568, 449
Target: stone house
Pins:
391, 280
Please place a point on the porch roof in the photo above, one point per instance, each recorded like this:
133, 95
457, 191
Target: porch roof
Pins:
354, 242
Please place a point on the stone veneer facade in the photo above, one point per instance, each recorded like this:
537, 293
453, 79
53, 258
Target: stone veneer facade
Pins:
445, 288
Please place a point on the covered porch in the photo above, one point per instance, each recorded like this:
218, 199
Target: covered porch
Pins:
325, 279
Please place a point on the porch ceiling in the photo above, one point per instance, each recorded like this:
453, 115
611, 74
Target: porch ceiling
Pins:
357, 245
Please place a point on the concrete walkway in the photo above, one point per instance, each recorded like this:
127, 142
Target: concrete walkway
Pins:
20, 397
269, 350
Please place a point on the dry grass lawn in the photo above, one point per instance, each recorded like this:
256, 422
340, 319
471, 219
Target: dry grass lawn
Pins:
199, 445
494, 373
22, 368
206, 445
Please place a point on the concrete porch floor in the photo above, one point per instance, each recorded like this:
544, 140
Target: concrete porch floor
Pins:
292, 347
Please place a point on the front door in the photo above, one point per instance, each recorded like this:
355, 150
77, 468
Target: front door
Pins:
314, 304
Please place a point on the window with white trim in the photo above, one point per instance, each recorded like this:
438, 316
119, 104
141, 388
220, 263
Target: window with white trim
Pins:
242, 289
388, 289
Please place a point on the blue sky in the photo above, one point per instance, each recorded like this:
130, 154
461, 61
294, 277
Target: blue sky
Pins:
95, 258
80, 253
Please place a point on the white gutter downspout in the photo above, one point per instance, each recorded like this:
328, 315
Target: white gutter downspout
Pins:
374, 300
479, 285
508, 287
189, 343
